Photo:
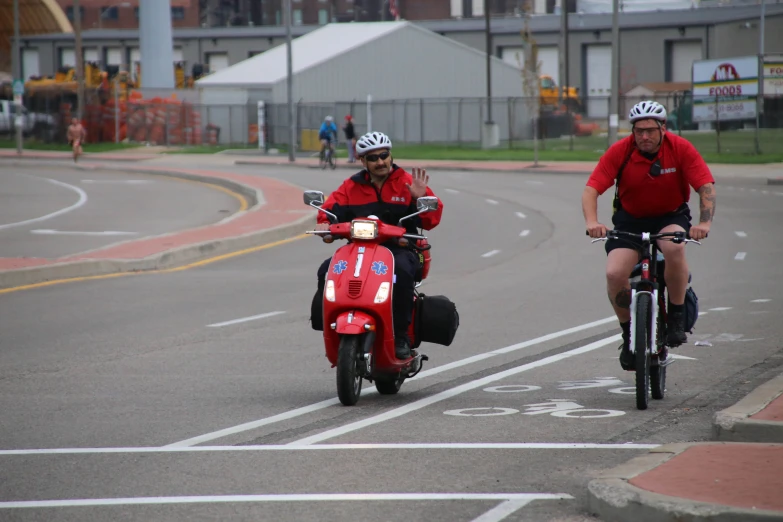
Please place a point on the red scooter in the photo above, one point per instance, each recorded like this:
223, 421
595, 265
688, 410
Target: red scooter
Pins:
357, 302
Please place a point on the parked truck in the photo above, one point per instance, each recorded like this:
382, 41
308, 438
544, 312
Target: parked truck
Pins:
42, 126
550, 95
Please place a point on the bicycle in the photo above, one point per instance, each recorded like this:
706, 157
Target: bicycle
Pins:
648, 313
328, 156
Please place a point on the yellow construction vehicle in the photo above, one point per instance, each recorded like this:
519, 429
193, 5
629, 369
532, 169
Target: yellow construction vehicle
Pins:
550, 94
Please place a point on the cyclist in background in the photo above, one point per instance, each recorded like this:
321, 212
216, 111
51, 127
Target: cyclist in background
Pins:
327, 134
656, 171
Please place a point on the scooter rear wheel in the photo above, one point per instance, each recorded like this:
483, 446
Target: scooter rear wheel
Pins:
349, 377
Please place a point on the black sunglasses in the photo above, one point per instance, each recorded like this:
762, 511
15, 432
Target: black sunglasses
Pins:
655, 169
375, 157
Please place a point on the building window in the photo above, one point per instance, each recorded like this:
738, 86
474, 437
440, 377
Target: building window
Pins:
177, 13
297, 19
323, 16
136, 12
109, 13
69, 12
277, 17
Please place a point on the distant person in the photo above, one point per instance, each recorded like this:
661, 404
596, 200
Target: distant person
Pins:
327, 134
350, 138
76, 135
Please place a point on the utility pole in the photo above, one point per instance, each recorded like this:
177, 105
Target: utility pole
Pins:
77, 28
17, 71
563, 49
614, 95
489, 61
290, 82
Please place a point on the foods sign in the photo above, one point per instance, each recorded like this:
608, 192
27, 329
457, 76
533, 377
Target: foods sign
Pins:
725, 89
773, 76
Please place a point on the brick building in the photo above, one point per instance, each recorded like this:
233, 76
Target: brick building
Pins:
124, 14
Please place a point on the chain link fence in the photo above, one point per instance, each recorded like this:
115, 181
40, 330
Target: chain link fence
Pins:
578, 125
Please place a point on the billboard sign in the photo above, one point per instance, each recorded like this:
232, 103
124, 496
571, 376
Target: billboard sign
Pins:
773, 76
725, 89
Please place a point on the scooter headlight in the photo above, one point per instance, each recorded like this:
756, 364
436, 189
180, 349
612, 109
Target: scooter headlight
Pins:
361, 229
383, 292
329, 293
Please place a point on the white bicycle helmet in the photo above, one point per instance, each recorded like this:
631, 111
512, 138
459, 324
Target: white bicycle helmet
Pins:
372, 141
646, 110
328, 118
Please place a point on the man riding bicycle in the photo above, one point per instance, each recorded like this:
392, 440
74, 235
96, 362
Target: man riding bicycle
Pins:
656, 171
327, 134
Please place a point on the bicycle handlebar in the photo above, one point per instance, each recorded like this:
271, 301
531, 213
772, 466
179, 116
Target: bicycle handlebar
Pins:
674, 237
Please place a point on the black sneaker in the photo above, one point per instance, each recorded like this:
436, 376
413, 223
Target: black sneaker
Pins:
627, 359
402, 348
675, 330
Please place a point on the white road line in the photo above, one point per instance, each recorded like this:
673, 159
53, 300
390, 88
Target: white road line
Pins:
761, 300
333, 447
524, 233
492, 202
490, 253
740, 256
521, 215
721, 309
82, 201
49, 232
426, 373
765, 192
244, 319
452, 191
318, 497
741, 234
121, 181
453, 392
502, 510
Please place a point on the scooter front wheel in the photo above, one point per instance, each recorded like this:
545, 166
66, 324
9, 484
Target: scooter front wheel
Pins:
349, 377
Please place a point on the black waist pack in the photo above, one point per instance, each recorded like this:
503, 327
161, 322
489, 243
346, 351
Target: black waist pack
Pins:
437, 319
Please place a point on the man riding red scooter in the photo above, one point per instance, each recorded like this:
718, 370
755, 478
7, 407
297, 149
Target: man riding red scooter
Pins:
379, 211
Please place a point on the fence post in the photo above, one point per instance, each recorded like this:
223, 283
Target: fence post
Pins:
421, 120
717, 122
509, 109
369, 113
459, 121
405, 121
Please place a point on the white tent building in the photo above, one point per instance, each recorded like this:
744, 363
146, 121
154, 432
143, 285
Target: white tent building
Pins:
415, 78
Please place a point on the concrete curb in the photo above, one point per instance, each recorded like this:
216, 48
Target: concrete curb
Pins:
734, 423
612, 498
167, 259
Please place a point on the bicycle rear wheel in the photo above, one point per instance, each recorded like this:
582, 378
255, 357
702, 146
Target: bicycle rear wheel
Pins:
333, 160
641, 349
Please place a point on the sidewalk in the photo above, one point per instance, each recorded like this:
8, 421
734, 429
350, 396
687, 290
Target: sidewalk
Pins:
773, 172
716, 481
276, 213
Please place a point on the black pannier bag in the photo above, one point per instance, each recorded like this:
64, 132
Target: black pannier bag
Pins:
437, 319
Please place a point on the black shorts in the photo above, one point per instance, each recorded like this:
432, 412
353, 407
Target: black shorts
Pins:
622, 220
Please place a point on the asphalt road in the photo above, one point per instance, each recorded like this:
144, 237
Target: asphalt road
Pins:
201, 403
52, 212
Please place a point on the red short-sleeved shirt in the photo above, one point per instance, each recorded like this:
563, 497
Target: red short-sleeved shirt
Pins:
641, 195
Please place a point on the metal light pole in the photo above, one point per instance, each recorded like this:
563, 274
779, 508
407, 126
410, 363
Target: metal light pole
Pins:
760, 96
290, 82
563, 48
614, 95
489, 62
77, 28
17, 71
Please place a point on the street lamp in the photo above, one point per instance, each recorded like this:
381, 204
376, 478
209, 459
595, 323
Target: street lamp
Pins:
106, 10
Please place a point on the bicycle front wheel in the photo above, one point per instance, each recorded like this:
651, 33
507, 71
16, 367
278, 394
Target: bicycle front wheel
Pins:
642, 349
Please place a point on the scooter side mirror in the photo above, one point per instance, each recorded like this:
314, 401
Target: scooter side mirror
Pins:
313, 197
427, 203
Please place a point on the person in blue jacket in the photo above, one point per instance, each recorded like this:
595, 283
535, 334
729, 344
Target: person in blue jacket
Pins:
327, 134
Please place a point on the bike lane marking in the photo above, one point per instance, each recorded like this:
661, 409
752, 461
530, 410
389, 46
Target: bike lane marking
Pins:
426, 373
452, 392
245, 319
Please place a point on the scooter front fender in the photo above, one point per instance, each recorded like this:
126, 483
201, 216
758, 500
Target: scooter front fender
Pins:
354, 322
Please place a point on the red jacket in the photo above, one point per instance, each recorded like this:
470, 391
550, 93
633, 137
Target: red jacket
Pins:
641, 195
358, 197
